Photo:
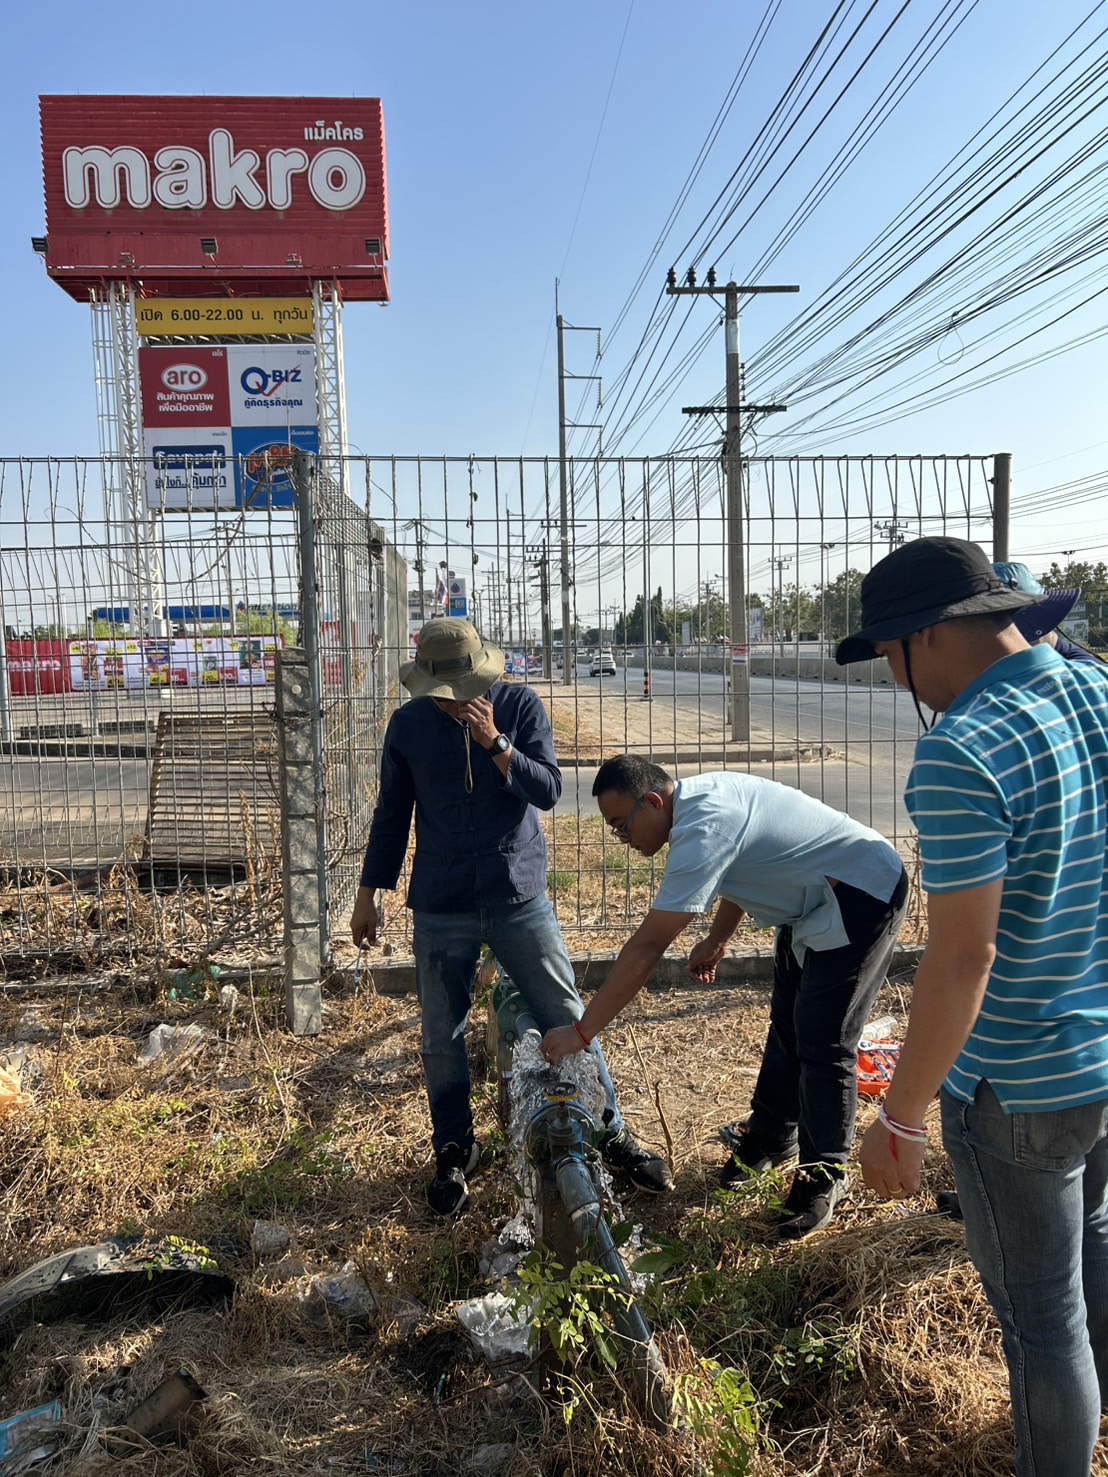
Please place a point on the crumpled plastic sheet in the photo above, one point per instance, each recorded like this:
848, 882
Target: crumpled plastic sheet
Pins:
172, 1042
500, 1331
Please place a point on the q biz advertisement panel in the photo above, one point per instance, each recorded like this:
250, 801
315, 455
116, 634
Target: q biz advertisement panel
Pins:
196, 196
271, 385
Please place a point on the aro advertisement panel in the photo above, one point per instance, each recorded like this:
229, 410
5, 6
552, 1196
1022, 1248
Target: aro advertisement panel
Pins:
215, 196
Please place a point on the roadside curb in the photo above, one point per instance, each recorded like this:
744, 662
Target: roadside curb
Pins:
743, 967
686, 754
87, 749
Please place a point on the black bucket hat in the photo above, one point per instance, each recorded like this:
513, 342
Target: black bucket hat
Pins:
922, 584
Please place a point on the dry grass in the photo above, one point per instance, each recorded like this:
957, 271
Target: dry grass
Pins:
329, 1138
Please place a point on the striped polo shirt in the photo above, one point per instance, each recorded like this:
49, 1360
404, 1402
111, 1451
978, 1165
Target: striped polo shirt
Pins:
1012, 782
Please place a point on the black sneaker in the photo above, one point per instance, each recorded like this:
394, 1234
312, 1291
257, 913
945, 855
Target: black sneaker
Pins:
947, 1203
448, 1192
811, 1201
751, 1156
645, 1169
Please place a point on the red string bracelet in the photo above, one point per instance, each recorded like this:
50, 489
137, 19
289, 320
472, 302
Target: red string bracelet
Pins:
577, 1027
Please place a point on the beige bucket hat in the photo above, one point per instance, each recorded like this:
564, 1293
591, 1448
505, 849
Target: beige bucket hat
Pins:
452, 661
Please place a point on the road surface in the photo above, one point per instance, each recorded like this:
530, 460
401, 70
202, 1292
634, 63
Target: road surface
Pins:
59, 809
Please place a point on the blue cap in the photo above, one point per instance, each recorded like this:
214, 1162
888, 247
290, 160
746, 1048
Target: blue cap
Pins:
1052, 606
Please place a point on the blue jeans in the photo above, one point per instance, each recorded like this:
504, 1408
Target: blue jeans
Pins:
528, 943
1033, 1188
807, 1088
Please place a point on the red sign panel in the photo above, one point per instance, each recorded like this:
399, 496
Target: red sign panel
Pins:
216, 196
37, 666
185, 387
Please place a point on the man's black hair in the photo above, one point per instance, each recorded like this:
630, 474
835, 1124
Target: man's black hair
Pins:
628, 774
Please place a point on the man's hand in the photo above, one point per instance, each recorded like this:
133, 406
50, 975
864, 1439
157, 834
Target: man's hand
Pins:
891, 1165
363, 920
560, 1042
704, 956
477, 713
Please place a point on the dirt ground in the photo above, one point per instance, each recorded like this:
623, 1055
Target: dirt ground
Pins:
867, 1349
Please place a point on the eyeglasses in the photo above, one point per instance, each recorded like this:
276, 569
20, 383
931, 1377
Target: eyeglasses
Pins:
621, 829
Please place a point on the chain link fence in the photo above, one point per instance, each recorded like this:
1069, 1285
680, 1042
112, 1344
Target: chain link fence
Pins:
139, 809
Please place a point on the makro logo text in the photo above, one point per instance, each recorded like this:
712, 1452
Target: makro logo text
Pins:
182, 178
257, 381
184, 377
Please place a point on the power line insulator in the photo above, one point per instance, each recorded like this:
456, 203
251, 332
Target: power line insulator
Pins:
711, 276
671, 278
690, 276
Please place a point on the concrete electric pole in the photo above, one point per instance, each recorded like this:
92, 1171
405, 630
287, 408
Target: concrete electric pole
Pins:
733, 478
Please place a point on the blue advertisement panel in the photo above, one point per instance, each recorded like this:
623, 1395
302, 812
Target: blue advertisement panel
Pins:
263, 465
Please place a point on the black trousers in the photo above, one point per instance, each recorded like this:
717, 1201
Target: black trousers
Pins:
807, 1089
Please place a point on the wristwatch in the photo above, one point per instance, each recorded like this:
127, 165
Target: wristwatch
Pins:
501, 744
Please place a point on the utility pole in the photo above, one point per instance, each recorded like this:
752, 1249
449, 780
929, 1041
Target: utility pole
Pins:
1002, 498
733, 477
511, 633
824, 570
540, 557
563, 482
892, 529
779, 564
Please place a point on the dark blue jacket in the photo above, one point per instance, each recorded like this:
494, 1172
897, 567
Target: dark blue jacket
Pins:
472, 850
1073, 652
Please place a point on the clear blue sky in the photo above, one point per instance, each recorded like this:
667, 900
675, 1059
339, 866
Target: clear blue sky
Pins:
493, 116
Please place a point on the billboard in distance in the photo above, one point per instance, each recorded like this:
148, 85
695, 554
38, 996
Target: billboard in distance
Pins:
202, 661
215, 196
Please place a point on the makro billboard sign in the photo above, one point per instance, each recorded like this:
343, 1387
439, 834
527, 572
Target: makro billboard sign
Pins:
223, 423
201, 195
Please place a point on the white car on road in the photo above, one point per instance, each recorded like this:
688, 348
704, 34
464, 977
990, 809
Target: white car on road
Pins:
603, 664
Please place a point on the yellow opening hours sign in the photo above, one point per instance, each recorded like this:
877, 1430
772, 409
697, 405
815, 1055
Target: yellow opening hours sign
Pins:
227, 317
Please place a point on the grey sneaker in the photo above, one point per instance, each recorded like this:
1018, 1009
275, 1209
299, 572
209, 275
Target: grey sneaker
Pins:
645, 1169
448, 1192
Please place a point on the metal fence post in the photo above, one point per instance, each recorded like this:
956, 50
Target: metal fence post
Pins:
299, 842
311, 628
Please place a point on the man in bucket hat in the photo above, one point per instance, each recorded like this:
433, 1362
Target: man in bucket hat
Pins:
1009, 793
474, 758
1040, 622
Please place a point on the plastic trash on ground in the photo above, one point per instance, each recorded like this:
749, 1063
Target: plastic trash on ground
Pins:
344, 1295
499, 1330
491, 1459
171, 1042
12, 1097
268, 1238
879, 1029
500, 1257
28, 1437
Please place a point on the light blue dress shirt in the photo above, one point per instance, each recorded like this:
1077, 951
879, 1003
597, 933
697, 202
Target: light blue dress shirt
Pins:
771, 850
